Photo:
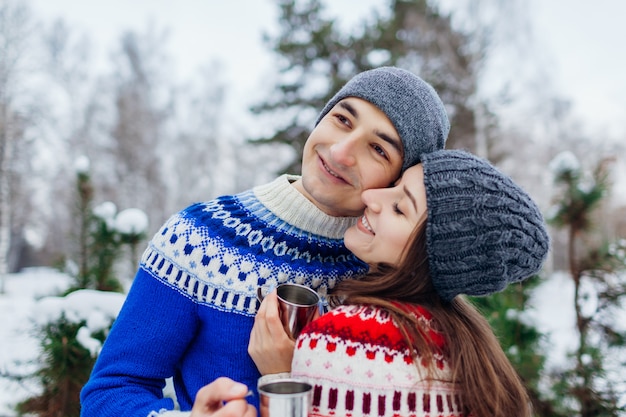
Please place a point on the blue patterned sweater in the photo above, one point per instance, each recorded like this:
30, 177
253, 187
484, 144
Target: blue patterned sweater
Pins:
190, 310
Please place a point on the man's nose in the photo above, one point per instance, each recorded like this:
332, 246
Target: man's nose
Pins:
345, 150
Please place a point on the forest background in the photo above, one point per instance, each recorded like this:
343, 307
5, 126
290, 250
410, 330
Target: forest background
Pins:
78, 131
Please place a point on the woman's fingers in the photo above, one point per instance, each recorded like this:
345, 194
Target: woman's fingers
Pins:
270, 346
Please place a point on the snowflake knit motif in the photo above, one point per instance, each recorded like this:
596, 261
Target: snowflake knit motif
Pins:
219, 252
383, 379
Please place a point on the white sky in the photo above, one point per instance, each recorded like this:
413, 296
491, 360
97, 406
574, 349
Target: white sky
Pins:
580, 43
586, 43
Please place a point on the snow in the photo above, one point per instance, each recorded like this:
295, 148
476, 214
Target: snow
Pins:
563, 163
32, 297
106, 211
131, 221
81, 165
551, 308
97, 308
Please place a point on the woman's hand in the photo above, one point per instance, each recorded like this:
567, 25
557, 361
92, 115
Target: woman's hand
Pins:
222, 398
270, 346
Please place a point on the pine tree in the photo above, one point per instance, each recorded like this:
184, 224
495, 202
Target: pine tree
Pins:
519, 338
316, 59
98, 243
100, 240
66, 366
597, 269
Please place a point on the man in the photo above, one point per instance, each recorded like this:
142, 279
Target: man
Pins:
190, 310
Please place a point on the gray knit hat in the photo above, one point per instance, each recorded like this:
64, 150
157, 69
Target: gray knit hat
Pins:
483, 231
411, 104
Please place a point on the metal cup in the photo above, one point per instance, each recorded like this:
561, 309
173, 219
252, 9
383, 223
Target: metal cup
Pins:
297, 304
285, 398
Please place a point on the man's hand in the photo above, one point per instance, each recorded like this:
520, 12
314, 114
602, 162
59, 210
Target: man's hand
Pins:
222, 398
270, 346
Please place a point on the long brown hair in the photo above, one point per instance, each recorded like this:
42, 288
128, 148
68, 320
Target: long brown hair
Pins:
486, 380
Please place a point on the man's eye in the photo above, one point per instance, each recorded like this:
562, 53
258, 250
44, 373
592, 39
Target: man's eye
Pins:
380, 150
342, 119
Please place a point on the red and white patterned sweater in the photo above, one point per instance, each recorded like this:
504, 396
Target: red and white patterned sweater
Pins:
359, 365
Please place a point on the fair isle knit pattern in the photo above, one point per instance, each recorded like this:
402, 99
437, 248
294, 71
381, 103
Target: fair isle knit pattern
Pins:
219, 252
191, 307
360, 366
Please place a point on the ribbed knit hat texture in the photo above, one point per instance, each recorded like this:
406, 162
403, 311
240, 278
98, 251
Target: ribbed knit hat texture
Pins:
483, 231
411, 104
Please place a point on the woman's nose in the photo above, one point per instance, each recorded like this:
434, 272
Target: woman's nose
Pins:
374, 198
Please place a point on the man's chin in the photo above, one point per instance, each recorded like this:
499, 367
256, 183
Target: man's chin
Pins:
337, 207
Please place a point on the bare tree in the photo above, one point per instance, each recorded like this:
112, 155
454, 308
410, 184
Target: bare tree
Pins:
195, 159
143, 89
15, 31
67, 131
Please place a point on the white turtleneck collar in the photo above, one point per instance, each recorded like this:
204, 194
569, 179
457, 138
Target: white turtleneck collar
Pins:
284, 200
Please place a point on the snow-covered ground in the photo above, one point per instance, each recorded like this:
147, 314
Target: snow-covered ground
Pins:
30, 298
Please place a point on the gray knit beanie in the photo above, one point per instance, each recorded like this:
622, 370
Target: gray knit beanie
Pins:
411, 104
483, 231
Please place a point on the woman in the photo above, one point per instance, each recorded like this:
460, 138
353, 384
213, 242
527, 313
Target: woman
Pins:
400, 341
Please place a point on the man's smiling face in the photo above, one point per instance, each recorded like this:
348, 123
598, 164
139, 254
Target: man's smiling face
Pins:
355, 147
